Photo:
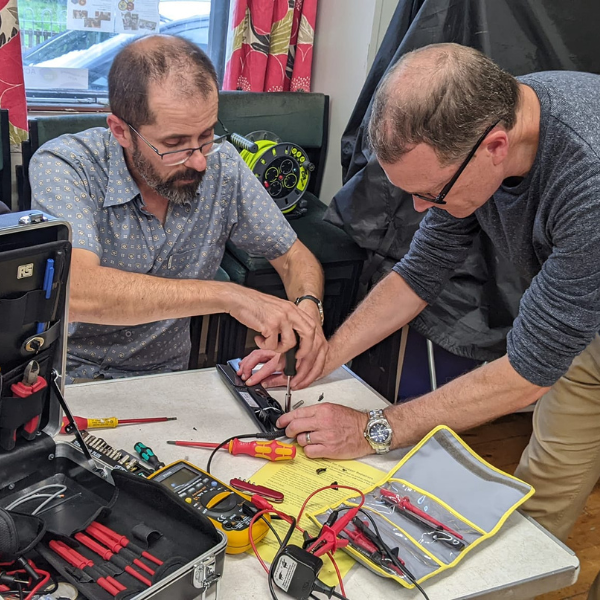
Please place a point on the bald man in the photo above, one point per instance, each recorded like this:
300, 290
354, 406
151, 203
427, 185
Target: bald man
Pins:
519, 159
152, 200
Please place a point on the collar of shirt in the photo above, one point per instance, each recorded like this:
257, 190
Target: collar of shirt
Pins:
121, 187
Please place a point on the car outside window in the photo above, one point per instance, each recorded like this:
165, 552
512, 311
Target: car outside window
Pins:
70, 67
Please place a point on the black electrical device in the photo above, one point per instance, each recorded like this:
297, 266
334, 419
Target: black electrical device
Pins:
262, 407
295, 571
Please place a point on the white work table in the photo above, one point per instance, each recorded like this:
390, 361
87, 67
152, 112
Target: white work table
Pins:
520, 562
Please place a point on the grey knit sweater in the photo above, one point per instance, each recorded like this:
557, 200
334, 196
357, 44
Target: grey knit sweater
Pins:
548, 226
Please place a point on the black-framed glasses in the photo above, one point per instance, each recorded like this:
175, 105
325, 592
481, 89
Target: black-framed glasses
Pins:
172, 158
439, 199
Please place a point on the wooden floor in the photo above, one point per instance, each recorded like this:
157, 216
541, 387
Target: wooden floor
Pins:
501, 444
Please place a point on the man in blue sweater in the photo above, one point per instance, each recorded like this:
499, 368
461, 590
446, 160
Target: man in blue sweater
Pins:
519, 159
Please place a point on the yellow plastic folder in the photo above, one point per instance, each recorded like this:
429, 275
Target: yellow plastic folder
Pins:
297, 479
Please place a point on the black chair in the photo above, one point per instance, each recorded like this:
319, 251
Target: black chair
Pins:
5, 164
41, 130
304, 120
212, 334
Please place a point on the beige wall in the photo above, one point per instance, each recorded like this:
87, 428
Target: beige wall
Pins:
348, 35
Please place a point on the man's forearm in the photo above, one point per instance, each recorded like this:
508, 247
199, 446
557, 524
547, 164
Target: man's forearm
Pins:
389, 306
480, 396
300, 272
107, 296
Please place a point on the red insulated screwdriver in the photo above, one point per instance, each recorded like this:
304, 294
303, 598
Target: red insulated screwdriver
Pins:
272, 450
112, 586
117, 548
121, 539
107, 555
110, 422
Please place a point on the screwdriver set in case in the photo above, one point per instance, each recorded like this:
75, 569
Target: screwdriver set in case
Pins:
78, 516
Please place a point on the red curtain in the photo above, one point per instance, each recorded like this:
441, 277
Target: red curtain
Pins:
270, 46
12, 87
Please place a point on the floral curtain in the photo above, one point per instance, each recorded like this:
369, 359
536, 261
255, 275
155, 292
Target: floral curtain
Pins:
12, 87
270, 45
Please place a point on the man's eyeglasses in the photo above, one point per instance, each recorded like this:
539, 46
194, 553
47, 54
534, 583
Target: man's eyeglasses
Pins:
440, 198
178, 157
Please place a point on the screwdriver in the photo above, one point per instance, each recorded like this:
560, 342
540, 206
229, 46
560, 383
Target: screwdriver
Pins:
290, 371
272, 451
148, 455
110, 422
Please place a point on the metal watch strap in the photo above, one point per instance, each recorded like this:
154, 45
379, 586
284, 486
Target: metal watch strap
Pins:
316, 301
374, 416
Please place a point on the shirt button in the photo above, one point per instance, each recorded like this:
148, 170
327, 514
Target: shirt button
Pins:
128, 334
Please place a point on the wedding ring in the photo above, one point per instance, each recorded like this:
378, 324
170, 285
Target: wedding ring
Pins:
307, 438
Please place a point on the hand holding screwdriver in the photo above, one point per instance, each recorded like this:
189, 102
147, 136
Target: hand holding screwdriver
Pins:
272, 450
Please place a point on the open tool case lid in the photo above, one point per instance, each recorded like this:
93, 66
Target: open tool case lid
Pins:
32, 321
33, 326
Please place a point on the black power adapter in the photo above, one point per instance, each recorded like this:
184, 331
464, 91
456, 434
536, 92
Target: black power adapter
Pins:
295, 571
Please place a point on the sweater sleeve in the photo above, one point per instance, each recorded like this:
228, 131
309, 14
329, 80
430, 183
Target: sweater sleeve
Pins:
438, 248
559, 314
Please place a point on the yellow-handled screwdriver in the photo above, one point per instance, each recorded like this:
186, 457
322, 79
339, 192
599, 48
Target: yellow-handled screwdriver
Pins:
110, 422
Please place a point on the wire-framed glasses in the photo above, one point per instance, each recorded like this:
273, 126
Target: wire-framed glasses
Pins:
440, 198
173, 158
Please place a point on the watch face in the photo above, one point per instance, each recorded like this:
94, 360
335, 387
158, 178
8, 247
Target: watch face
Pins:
379, 433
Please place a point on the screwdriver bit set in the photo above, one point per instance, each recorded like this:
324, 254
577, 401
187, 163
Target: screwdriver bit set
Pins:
113, 458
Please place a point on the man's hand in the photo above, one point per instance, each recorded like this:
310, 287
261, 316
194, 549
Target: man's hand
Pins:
308, 368
276, 321
336, 431
271, 373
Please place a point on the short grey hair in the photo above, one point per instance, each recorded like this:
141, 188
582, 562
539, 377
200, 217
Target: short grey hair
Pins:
443, 95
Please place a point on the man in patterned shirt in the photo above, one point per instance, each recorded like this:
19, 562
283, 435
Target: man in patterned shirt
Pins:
152, 201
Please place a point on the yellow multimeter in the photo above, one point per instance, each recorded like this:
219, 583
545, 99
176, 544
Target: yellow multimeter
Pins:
229, 511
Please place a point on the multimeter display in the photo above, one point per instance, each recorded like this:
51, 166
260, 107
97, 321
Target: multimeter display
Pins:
179, 478
230, 511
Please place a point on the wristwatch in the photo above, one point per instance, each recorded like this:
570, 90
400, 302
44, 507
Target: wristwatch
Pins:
316, 301
378, 432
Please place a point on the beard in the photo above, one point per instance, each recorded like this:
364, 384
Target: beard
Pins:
167, 187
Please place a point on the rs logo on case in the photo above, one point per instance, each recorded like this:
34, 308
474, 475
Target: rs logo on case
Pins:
24, 271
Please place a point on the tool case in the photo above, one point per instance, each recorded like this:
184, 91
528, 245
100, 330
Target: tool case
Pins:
52, 493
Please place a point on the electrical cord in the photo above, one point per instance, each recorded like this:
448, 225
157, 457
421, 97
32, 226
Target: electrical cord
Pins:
262, 435
273, 530
391, 555
287, 518
284, 543
36, 494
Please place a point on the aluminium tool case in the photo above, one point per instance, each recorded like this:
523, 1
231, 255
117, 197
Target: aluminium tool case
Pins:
78, 491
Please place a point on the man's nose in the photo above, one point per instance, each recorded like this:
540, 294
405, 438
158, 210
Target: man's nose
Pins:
196, 161
420, 204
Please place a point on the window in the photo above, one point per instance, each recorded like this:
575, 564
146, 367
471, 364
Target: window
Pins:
70, 67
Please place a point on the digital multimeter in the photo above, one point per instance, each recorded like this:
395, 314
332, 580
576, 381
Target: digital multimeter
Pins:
230, 511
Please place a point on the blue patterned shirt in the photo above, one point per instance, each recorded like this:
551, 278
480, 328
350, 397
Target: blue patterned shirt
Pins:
83, 178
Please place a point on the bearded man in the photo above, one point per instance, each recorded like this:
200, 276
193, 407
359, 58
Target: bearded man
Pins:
152, 200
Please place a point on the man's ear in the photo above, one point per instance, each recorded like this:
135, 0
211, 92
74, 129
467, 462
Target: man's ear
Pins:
120, 130
497, 145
